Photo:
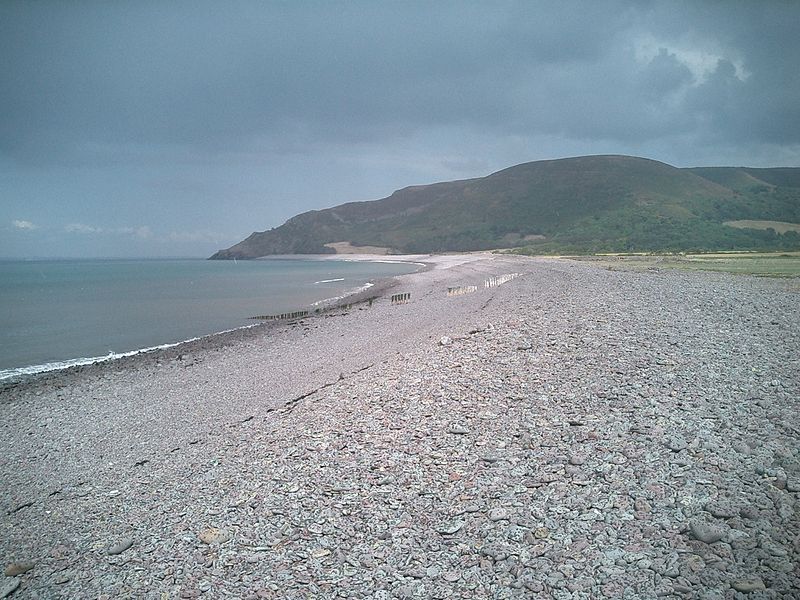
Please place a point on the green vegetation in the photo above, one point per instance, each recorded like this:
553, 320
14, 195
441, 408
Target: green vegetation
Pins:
777, 226
762, 264
639, 230
577, 205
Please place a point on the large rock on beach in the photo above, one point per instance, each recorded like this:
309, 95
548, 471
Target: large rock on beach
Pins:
18, 568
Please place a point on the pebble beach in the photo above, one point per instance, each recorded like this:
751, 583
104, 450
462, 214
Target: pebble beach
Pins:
570, 432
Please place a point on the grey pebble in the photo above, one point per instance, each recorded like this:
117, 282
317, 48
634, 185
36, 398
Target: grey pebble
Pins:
534, 586
748, 585
742, 447
458, 429
722, 510
498, 514
705, 532
213, 535
748, 512
18, 568
450, 528
541, 533
677, 443
120, 546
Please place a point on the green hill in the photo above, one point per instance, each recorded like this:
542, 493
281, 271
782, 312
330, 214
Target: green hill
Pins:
584, 204
745, 178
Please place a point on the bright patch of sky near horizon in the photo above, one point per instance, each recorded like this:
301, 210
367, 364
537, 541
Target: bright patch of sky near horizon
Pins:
176, 128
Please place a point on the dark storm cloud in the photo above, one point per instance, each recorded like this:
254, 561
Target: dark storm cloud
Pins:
173, 73
78, 74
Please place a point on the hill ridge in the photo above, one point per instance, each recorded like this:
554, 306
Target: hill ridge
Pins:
603, 202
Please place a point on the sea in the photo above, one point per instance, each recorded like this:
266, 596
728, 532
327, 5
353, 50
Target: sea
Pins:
59, 313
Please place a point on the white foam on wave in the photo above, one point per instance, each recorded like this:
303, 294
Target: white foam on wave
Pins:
329, 280
79, 362
363, 288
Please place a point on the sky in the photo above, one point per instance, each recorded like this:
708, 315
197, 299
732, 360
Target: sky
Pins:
170, 128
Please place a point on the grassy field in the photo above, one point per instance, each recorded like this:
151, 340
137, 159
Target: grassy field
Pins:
762, 264
778, 226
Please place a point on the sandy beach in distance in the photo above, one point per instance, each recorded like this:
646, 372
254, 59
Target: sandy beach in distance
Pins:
573, 432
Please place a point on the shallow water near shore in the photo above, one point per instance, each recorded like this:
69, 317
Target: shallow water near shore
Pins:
56, 313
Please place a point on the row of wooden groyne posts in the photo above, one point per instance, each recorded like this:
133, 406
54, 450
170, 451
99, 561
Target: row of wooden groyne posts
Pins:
489, 283
401, 298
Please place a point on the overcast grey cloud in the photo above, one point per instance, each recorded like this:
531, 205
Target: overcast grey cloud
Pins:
175, 128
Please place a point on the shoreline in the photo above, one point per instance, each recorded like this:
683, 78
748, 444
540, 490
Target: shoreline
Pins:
573, 432
195, 347
73, 365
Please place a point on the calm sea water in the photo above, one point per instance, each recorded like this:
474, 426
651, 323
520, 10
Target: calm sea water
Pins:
57, 313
